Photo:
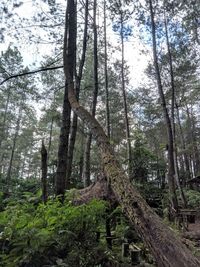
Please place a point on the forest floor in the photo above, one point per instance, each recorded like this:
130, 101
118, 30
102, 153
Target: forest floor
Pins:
193, 234
194, 227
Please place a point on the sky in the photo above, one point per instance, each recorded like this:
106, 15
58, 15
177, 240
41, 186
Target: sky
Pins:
136, 60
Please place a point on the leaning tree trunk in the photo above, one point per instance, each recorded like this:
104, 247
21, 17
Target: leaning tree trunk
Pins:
166, 247
171, 170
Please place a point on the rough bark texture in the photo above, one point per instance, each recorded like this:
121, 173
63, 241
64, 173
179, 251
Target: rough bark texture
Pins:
63, 146
167, 249
44, 172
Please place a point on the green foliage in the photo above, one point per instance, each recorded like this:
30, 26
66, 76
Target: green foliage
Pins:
50, 235
142, 159
193, 198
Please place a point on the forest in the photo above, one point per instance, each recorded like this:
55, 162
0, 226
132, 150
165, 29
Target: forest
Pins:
99, 133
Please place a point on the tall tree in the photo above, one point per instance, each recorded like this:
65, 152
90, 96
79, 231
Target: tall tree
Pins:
124, 32
94, 99
170, 146
78, 85
173, 102
65, 129
106, 70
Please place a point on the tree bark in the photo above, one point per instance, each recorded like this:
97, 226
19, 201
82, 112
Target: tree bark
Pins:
44, 172
63, 146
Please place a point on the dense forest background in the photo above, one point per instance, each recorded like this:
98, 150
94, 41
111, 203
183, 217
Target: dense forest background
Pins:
151, 119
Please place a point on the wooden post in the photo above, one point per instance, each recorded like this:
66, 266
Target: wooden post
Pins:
135, 254
125, 249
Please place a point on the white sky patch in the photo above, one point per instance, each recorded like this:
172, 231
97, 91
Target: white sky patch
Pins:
33, 53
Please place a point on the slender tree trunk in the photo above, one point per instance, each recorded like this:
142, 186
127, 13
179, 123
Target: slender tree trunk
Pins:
2, 128
78, 85
4, 118
171, 170
183, 144
166, 247
193, 140
108, 225
94, 102
81, 159
184, 202
65, 128
44, 172
50, 136
106, 72
17, 127
63, 146
128, 139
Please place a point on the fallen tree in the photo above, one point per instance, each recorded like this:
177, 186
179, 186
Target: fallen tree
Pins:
165, 246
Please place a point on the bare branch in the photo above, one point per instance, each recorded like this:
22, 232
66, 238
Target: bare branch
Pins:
30, 72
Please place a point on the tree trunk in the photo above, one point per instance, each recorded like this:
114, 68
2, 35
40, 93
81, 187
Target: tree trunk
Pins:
128, 139
2, 134
183, 144
63, 146
193, 140
78, 84
5, 117
44, 172
94, 101
176, 171
68, 59
106, 73
171, 171
8, 176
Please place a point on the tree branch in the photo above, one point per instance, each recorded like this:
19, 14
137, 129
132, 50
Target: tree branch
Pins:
30, 72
